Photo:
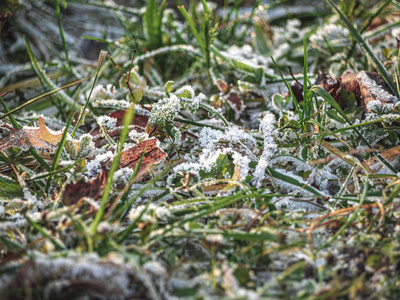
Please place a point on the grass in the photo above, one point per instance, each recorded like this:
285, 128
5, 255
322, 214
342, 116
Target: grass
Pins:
301, 203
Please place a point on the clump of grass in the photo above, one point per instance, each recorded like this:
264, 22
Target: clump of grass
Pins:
260, 194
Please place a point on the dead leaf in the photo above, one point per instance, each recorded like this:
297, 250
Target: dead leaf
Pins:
390, 155
131, 156
366, 86
139, 121
27, 137
333, 87
92, 189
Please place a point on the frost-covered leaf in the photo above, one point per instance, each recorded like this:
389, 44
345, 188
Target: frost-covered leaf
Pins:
131, 156
92, 189
168, 87
27, 137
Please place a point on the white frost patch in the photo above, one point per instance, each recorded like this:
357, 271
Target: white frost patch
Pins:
268, 130
215, 239
213, 143
94, 166
376, 90
154, 268
102, 92
115, 277
160, 212
106, 121
122, 176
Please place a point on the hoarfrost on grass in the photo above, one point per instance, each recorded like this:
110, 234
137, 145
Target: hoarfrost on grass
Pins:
268, 130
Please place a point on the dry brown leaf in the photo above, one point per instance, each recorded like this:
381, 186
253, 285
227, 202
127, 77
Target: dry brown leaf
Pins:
139, 121
27, 137
390, 155
366, 86
93, 189
131, 156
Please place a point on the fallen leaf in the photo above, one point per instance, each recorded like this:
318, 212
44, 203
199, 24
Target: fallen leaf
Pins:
139, 121
27, 137
92, 189
333, 87
131, 156
390, 155
366, 87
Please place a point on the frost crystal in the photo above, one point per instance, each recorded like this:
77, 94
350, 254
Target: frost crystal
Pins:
215, 238
103, 93
213, 143
122, 176
164, 111
94, 167
270, 147
160, 212
107, 121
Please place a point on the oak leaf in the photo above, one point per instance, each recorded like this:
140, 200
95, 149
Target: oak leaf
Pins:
27, 137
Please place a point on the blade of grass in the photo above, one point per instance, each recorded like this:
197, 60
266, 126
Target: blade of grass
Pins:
370, 19
83, 112
296, 104
127, 120
57, 7
59, 148
306, 96
293, 181
126, 187
43, 96
345, 183
45, 234
192, 27
124, 234
62, 96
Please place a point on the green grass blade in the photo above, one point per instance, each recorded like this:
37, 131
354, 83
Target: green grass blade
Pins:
62, 96
57, 7
127, 120
82, 115
29, 102
193, 29
293, 181
296, 104
153, 20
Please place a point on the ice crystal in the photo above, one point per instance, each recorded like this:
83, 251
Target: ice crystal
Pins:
213, 143
113, 103
160, 212
94, 167
138, 136
215, 238
330, 35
